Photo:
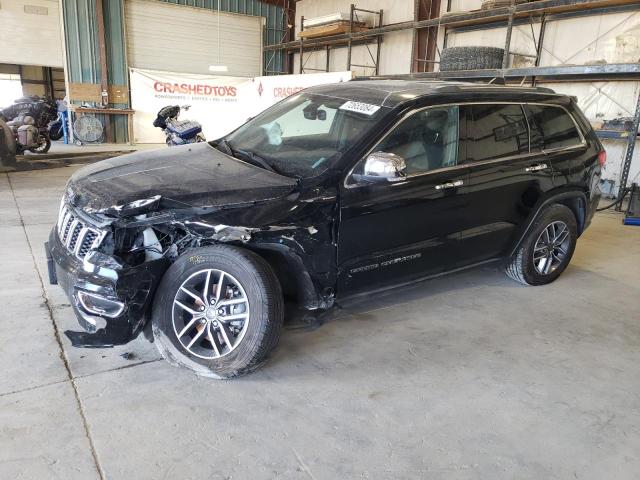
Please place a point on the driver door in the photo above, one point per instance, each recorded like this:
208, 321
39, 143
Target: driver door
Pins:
393, 232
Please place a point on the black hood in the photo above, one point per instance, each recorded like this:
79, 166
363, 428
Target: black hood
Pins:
195, 175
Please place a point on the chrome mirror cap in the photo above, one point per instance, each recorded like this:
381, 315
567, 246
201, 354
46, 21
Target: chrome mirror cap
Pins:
383, 165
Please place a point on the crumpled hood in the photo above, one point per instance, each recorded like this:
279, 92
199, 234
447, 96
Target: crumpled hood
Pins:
195, 175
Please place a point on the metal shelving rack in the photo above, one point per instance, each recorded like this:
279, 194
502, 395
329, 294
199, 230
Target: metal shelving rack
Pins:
345, 40
540, 11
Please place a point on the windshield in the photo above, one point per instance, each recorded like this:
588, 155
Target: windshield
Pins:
305, 134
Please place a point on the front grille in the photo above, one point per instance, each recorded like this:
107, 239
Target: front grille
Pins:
76, 235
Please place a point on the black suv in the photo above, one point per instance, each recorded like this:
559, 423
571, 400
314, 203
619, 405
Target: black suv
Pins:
333, 192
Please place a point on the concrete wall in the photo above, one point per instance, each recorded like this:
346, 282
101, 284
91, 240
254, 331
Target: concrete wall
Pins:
395, 53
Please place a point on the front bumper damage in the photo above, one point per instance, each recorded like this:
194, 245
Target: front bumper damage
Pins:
111, 301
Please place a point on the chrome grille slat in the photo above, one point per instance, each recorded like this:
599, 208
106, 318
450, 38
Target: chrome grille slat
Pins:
78, 237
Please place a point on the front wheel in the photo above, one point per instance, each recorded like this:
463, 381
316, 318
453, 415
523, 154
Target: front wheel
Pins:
44, 144
218, 311
547, 248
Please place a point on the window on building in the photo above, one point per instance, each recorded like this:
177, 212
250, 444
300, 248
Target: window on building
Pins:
10, 88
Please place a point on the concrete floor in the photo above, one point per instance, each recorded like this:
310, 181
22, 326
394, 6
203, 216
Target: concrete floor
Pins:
470, 376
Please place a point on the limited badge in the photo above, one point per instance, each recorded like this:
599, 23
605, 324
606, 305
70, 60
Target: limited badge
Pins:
358, 107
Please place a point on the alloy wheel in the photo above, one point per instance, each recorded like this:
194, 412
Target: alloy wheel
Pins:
551, 248
210, 313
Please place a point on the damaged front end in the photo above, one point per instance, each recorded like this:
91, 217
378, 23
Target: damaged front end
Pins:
110, 260
110, 294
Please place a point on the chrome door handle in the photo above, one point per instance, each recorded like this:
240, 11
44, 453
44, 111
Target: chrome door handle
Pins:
444, 186
536, 168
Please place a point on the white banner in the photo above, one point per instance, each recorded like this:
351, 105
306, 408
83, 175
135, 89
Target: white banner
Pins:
219, 103
272, 89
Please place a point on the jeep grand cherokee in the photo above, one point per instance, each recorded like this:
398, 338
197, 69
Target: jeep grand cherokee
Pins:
333, 192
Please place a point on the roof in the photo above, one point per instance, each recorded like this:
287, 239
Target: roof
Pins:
391, 93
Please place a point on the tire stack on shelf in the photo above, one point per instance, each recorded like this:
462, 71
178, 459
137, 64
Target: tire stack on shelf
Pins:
470, 58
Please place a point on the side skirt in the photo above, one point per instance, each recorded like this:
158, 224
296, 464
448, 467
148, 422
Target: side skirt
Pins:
417, 280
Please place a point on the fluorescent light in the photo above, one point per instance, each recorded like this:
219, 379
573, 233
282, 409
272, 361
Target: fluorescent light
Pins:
218, 68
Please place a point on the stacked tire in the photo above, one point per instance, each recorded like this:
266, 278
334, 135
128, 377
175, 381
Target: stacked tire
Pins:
471, 58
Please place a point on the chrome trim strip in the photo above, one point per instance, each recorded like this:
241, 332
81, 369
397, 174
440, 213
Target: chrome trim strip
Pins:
582, 144
68, 222
73, 226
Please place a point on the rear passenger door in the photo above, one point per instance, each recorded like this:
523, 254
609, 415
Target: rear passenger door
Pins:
505, 178
555, 134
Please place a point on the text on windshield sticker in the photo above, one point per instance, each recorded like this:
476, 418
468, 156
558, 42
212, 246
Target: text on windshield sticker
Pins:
358, 107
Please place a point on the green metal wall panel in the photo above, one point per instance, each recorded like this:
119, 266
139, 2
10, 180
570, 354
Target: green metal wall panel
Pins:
83, 53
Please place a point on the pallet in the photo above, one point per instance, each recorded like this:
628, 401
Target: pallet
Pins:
489, 4
336, 28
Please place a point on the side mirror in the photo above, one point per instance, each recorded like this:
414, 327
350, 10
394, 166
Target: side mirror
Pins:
382, 167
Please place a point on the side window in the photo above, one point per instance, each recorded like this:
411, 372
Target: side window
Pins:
551, 127
495, 131
427, 140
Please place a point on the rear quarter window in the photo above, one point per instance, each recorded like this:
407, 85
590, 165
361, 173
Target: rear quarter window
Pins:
551, 127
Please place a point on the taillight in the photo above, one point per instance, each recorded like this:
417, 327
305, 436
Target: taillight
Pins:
602, 158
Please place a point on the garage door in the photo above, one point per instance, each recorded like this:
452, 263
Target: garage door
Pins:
176, 38
30, 33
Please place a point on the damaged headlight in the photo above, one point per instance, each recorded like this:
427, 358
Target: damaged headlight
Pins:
136, 207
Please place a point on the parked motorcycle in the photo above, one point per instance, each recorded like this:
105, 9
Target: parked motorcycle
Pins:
178, 132
28, 119
55, 127
28, 136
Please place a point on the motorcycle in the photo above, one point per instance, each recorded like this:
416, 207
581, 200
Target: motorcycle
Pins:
28, 136
55, 127
178, 132
28, 119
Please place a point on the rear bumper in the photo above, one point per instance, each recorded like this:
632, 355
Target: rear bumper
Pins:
110, 300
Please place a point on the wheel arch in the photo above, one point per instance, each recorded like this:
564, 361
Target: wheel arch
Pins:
575, 200
293, 275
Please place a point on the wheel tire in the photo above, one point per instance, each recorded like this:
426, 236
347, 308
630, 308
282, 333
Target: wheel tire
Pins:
265, 303
521, 266
470, 58
56, 134
42, 148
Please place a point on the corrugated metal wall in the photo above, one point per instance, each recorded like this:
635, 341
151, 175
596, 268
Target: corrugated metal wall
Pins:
81, 39
275, 28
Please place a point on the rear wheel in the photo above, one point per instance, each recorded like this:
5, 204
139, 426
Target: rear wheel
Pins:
218, 311
547, 248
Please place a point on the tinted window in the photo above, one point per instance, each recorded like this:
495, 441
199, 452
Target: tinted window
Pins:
551, 127
427, 140
495, 131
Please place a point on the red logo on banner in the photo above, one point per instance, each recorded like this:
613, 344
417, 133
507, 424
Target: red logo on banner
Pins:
281, 92
195, 89
260, 89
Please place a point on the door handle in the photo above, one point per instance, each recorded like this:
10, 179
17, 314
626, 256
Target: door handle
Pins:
536, 168
444, 186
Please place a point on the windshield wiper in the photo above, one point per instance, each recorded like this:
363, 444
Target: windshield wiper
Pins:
252, 158
223, 144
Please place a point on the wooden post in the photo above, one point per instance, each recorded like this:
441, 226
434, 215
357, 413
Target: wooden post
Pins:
104, 76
